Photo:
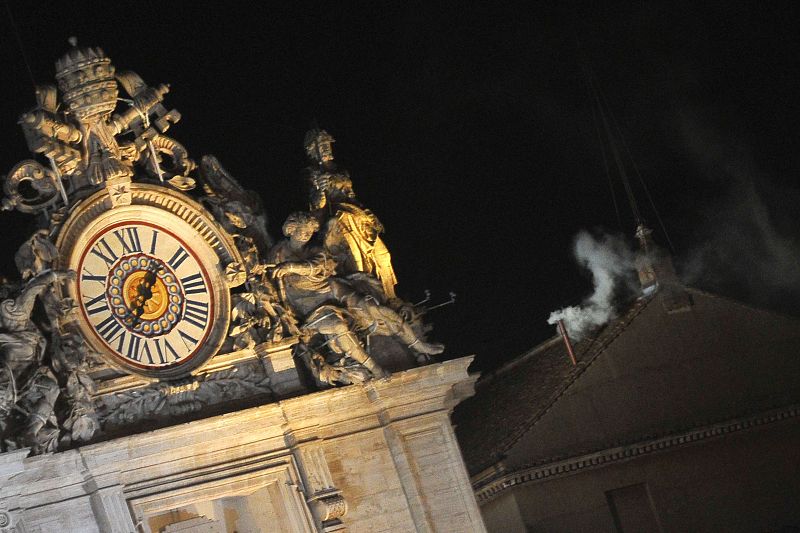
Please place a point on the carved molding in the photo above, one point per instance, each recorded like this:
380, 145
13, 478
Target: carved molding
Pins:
324, 499
489, 490
328, 508
170, 399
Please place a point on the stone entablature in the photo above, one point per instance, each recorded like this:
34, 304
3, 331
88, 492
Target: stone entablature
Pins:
369, 457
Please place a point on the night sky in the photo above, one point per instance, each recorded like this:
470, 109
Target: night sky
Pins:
469, 131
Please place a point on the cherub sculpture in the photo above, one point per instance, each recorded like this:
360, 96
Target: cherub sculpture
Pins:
335, 307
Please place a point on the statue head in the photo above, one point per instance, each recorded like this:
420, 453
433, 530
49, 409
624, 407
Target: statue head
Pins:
300, 226
319, 146
86, 79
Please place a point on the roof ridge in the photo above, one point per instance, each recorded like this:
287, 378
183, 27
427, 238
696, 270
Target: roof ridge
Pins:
608, 335
487, 489
740, 303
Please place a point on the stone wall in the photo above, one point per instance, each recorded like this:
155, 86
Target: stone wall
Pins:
375, 457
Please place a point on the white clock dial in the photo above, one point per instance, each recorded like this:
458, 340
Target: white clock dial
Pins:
145, 294
151, 293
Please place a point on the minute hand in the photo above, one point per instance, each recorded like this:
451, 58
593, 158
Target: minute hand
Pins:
144, 292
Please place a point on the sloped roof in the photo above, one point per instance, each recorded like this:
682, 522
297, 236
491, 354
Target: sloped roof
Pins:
644, 374
508, 402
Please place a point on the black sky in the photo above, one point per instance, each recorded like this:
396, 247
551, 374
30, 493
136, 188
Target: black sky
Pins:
469, 131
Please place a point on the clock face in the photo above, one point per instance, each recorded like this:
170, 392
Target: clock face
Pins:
145, 294
150, 289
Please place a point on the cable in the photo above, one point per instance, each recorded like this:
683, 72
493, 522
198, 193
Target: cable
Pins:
617, 157
602, 106
19, 43
596, 121
647, 193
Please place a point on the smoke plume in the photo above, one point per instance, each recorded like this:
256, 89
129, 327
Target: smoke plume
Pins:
611, 264
748, 244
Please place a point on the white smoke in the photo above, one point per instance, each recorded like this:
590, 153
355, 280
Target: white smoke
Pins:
611, 263
748, 243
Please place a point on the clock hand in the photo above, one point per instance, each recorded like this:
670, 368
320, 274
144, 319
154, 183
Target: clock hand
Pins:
144, 292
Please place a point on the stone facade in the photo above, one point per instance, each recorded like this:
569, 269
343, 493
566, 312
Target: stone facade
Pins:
380, 456
165, 366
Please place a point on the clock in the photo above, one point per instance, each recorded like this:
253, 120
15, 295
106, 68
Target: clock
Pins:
150, 291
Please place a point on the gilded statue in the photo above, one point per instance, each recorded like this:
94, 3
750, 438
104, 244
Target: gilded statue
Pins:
340, 308
351, 232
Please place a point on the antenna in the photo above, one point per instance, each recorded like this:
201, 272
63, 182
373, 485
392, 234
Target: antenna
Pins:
604, 119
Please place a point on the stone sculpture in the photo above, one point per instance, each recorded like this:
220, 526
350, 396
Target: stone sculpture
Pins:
30, 387
351, 233
328, 301
85, 141
332, 306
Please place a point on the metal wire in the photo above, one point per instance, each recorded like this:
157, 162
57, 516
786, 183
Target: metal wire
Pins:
19, 43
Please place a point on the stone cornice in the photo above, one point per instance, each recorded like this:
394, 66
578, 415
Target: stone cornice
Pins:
201, 445
486, 491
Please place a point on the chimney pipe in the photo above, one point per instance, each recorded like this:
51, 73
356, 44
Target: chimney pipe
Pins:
562, 329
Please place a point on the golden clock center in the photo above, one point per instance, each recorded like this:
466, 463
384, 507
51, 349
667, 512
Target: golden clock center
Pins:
154, 306
145, 295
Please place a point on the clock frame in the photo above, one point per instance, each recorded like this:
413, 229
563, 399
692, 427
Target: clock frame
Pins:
150, 291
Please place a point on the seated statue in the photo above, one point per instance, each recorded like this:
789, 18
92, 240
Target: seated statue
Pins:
335, 307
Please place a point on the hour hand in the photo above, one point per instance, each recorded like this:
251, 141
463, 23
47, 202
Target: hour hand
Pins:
144, 291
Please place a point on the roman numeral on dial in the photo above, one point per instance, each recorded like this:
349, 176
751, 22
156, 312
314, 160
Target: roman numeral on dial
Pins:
133, 348
129, 239
178, 258
105, 252
193, 284
153, 242
188, 341
140, 349
165, 350
97, 304
108, 328
88, 276
196, 313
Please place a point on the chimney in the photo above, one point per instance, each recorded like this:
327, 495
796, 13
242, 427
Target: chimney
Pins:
562, 329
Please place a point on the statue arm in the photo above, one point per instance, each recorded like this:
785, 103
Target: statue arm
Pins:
320, 266
24, 302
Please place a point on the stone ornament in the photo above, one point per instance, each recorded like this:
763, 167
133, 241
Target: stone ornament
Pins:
162, 293
334, 307
151, 293
176, 399
35, 177
141, 284
30, 389
89, 142
351, 233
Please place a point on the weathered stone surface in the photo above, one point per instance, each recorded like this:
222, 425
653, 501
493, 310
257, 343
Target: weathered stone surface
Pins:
385, 449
